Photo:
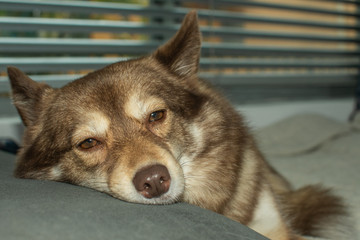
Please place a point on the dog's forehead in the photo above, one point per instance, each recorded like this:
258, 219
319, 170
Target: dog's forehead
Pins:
113, 81
121, 90
122, 77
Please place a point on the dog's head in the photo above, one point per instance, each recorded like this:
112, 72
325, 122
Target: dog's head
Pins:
121, 129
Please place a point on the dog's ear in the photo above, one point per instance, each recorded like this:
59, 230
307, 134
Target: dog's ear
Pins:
26, 94
181, 53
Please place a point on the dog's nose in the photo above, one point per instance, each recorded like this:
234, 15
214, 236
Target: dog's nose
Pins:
152, 181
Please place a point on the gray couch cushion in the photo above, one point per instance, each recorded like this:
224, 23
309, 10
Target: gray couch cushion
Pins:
32, 209
299, 134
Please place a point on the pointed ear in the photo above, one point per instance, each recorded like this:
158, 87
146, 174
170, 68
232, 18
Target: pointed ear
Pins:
181, 53
26, 94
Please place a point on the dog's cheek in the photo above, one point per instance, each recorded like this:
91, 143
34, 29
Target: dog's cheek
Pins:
90, 158
77, 166
178, 137
120, 184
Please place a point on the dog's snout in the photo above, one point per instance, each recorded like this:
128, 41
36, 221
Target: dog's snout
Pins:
152, 181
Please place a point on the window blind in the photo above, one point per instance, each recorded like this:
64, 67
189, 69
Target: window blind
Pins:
254, 50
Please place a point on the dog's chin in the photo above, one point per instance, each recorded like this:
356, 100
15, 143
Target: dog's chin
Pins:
162, 200
172, 196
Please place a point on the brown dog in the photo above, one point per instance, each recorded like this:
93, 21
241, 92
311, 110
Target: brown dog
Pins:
150, 131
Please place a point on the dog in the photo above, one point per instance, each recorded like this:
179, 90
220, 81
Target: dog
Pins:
150, 131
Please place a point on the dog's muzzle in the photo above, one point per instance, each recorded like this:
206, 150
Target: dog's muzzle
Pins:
152, 181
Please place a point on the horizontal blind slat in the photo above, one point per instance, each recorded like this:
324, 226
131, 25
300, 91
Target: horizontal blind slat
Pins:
234, 16
34, 45
44, 64
288, 7
75, 25
356, 2
74, 6
284, 79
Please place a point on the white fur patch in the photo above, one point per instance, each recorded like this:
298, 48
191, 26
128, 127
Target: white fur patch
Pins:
186, 163
55, 172
139, 107
95, 124
97, 181
198, 140
197, 134
266, 217
193, 178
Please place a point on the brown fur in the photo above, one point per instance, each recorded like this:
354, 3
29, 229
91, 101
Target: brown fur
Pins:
312, 205
211, 156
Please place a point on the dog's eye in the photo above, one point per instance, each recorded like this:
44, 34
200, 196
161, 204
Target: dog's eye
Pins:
89, 143
156, 116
